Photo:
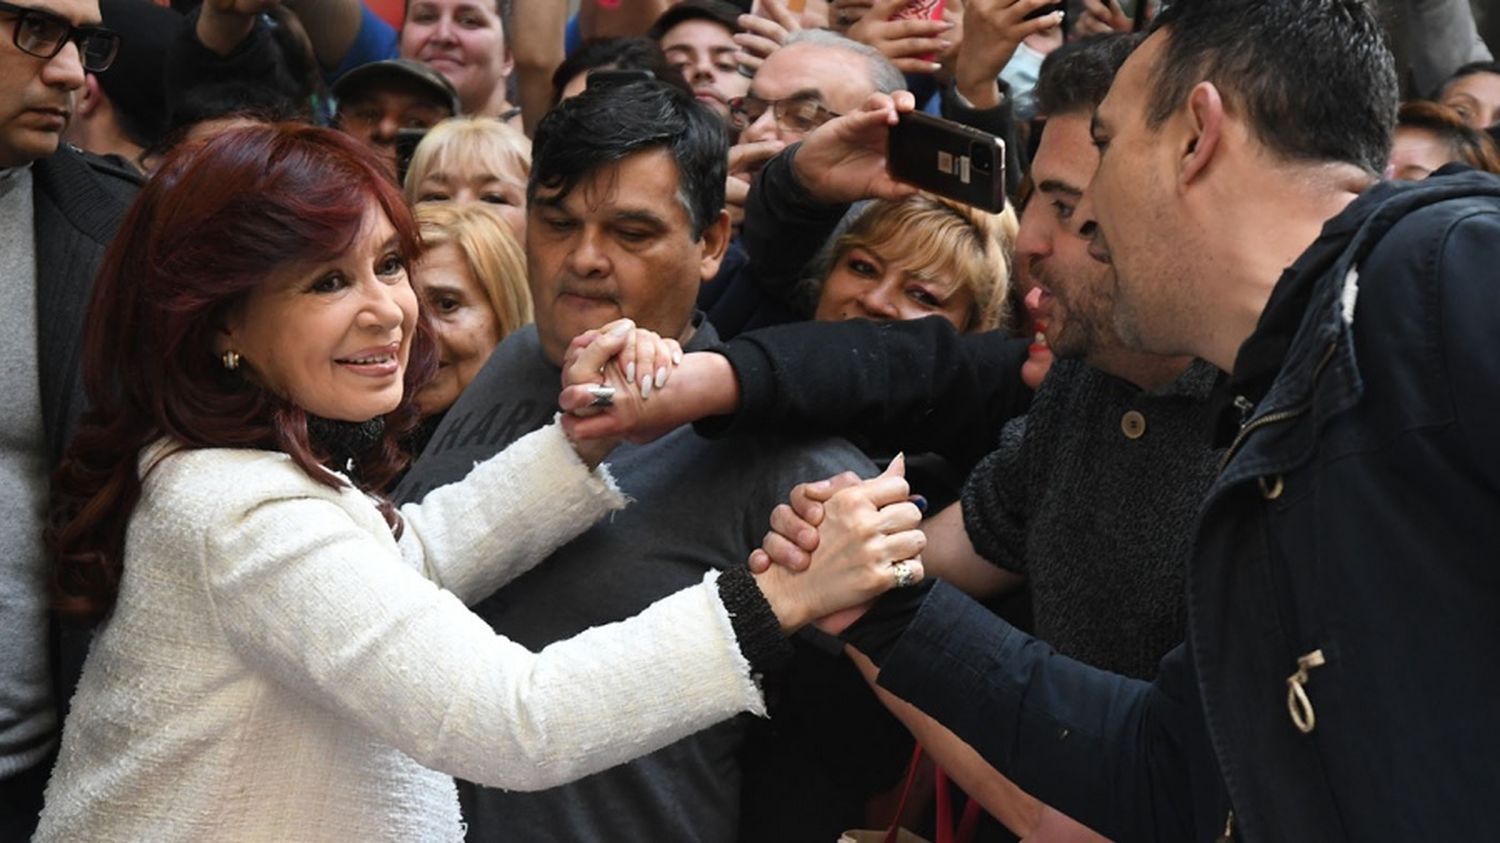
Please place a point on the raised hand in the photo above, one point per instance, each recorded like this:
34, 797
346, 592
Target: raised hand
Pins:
910, 45
995, 28
1101, 16
869, 542
745, 160
764, 32
844, 160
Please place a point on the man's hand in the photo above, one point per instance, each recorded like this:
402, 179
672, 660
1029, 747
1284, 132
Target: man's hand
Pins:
1101, 16
764, 32
843, 160
869, 542
995, 29
745, 160
794, 526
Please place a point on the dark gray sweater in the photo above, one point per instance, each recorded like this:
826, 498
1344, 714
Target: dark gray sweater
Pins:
1097, 510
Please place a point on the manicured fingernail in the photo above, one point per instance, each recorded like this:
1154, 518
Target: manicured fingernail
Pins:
934, 66
945, 44
820, 485
921, 503
677, 358
630, 371
645, 387
661, 376
622, 329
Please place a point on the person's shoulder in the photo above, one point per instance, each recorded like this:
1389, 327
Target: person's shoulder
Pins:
90, 191
111, 172
217, 482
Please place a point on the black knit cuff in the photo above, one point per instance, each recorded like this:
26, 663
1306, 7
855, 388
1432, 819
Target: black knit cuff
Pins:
755, 626
876, 632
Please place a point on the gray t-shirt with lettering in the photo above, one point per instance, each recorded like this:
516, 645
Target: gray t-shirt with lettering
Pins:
696, 504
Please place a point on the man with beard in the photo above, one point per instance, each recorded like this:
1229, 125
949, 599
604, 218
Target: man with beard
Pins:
1338, 680
1090, 496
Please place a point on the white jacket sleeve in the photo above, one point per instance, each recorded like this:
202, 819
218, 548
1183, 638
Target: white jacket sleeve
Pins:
323, 605
509, 513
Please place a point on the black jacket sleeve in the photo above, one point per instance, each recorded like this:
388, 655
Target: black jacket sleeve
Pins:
999, 121
784, 229
913, 385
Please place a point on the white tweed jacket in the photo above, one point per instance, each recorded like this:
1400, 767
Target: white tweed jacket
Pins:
278, 667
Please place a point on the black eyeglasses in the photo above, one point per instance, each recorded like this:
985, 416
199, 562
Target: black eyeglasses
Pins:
43, 34
793, 114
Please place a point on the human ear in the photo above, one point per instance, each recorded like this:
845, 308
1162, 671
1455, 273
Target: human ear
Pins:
1205, 122
89, 96
714, 243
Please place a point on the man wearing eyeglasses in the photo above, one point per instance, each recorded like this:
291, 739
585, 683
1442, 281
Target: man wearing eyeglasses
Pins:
58, 210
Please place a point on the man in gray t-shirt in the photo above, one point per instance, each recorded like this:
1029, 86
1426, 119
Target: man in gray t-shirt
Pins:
625, 219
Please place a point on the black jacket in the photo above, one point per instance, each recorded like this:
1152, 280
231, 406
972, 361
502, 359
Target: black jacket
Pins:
1339, 680
914, 385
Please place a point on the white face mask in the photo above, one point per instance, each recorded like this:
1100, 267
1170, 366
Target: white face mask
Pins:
1021, 74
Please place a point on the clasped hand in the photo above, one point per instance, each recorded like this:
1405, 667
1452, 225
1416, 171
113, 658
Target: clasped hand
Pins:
865, 538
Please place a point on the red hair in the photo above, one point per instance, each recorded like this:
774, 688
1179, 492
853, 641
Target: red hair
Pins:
204, 232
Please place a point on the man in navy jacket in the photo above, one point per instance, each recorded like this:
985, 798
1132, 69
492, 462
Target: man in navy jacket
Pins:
1338, 681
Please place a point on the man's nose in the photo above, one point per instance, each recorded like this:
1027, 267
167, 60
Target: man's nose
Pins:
64, 70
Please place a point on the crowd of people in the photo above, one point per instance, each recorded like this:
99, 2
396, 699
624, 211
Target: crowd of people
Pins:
482, 420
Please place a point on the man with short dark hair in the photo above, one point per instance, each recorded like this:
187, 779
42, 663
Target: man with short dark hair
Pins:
697, 37
1342, 575
58, 209
625, 219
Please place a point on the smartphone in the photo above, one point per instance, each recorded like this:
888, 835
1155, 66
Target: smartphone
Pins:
609, 77
406, 144
949, 159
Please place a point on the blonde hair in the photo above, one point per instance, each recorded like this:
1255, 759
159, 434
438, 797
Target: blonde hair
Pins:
490, 251
468, 143
942, 239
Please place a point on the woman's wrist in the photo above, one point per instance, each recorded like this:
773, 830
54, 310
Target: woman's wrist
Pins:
758, 629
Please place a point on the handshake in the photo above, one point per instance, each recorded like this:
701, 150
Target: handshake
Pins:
839, 544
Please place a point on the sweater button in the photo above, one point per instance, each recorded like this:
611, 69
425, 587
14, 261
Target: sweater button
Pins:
1133, 424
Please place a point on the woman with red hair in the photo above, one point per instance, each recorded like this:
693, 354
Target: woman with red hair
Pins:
281, 656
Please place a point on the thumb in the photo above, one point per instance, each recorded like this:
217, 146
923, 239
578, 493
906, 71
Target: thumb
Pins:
897, 467
884, 9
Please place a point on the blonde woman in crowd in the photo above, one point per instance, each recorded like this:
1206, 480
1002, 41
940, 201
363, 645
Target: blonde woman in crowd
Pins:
921, 256
471, 281
473, 159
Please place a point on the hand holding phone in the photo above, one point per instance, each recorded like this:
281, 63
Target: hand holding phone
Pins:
949, 159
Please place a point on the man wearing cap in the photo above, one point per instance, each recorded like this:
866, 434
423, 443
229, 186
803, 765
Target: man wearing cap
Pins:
377, 100
58, 209
697, 37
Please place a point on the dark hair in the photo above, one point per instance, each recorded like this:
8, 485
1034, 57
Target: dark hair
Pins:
600, 127
201, 236
1466, 144
1469, 69
615, 54
1314, 78
1077, 75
